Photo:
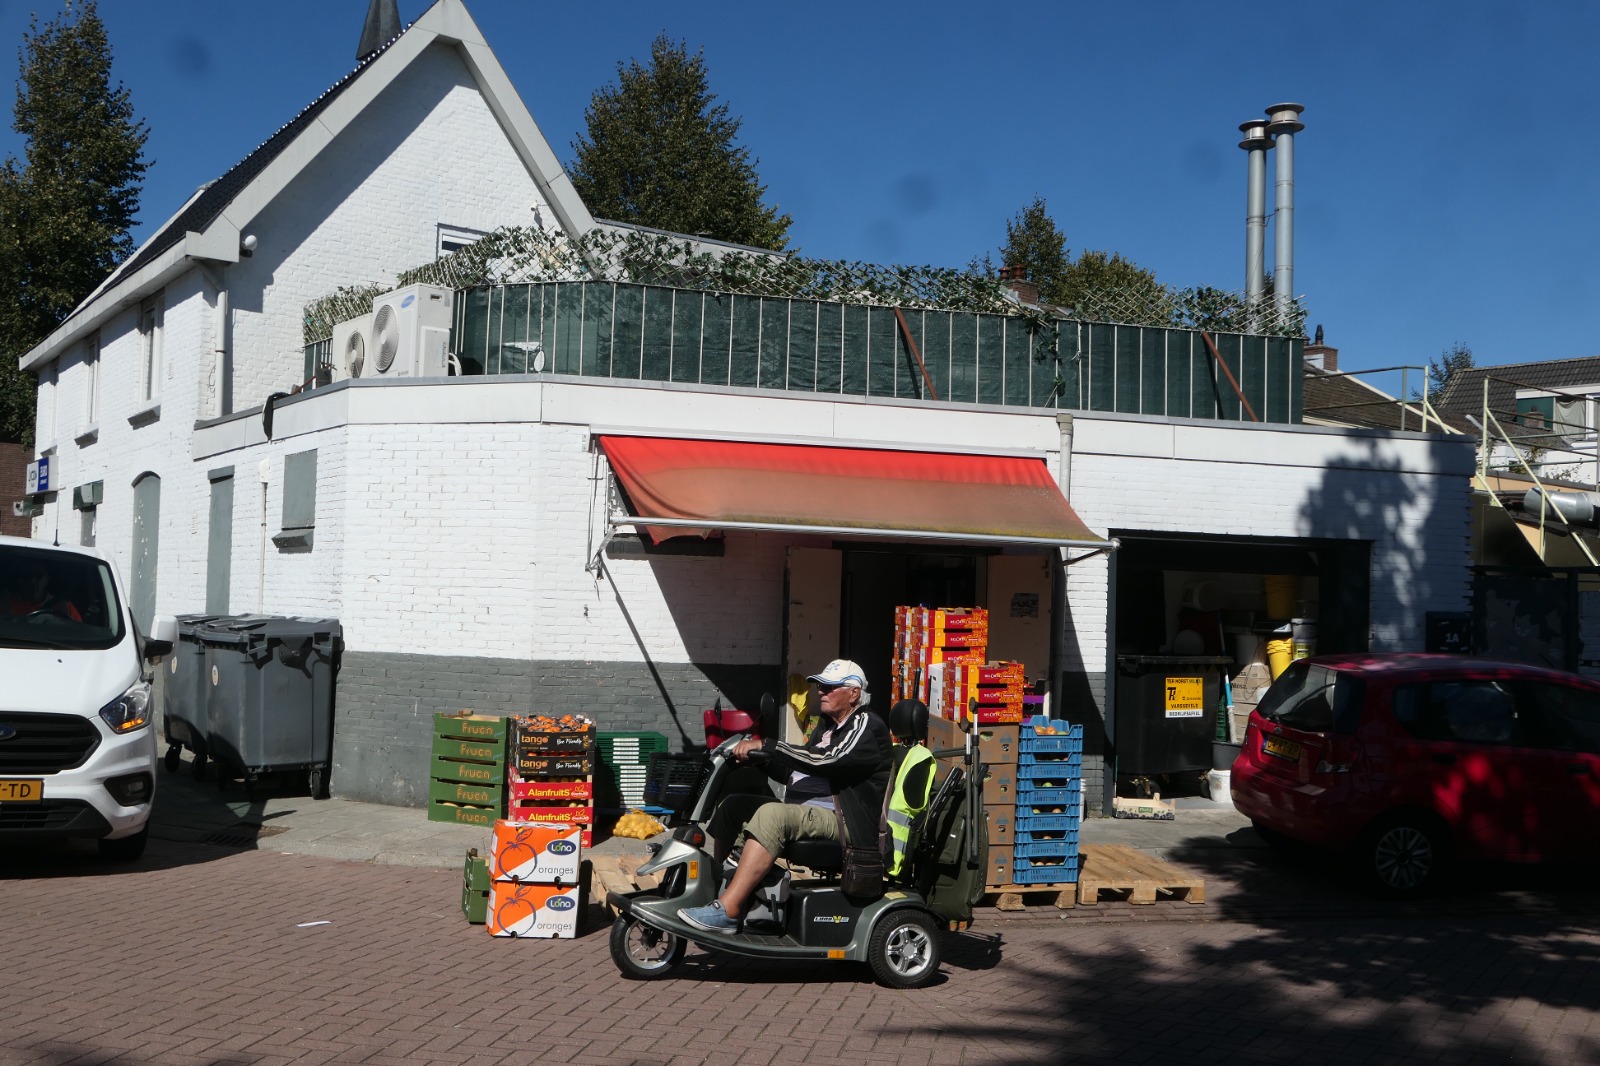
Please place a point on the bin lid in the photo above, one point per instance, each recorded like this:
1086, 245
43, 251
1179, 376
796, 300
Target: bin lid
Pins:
1174, 660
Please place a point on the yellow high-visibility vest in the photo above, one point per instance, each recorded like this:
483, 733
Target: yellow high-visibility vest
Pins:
904, 807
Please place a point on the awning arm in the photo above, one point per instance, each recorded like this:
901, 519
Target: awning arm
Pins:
1095, 546
1105, 549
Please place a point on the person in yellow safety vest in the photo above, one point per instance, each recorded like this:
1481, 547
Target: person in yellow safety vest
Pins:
913, 780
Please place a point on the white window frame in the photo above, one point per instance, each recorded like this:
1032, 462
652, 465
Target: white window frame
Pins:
151, 312
91, 366
454, 238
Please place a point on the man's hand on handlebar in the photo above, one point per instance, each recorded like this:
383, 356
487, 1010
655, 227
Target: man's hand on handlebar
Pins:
744, 748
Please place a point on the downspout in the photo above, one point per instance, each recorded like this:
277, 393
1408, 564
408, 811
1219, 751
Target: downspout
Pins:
216, 373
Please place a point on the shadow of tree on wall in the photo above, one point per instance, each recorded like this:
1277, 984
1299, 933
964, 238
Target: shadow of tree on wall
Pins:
1421, 556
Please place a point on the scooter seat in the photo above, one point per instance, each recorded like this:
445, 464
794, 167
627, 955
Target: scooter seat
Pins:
824, 856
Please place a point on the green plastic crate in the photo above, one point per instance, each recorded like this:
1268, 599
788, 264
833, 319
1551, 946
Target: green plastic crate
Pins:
624, 763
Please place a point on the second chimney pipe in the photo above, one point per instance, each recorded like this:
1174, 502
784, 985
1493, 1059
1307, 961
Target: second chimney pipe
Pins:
1283, 122
1256, 142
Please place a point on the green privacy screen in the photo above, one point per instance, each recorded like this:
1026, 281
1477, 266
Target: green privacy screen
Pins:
654, 333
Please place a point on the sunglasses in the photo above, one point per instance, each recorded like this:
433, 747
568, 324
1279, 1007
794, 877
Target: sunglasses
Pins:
825, 689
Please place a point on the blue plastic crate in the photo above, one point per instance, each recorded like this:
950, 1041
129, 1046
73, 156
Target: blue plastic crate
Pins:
1057, 796
1060, 760
1029, 823
1067, 737
1046, 852
1047, 774
1027, 873
1050, 744
1045, 836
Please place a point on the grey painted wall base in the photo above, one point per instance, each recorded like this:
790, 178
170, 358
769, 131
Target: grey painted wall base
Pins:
384, 706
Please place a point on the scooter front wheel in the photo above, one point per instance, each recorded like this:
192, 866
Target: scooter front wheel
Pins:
904, 950
642, 952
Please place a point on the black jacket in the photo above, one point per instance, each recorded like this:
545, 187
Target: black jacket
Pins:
855, 765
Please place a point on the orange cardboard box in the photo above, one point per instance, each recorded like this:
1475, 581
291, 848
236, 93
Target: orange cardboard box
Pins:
534, 851
522, 909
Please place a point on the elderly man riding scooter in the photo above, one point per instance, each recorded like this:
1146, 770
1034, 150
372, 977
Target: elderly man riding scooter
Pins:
837, 777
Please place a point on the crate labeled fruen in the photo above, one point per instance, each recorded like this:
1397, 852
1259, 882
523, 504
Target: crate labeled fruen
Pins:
461, 792
463, 813
465, 726
472, 773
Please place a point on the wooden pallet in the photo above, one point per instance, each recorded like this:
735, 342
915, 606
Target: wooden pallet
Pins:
1119, 868
617, 873
1020, 897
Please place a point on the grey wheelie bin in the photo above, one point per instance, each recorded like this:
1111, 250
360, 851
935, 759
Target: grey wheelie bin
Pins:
183, 702
270, 706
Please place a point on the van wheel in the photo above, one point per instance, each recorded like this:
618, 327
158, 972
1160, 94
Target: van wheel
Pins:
904, 951
171, 760
1402, 855
125, 849
198, 767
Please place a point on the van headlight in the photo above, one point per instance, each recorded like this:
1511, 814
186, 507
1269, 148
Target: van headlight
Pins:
129, 711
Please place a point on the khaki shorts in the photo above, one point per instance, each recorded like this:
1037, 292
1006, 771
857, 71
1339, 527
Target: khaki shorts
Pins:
771, 821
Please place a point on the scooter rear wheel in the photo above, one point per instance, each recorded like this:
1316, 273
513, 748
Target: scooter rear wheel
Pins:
904, 952
642, 952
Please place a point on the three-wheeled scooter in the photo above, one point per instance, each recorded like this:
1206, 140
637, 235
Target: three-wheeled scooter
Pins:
897, 933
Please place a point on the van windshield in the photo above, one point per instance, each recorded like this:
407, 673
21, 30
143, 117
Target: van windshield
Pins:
55, 599
1312, 698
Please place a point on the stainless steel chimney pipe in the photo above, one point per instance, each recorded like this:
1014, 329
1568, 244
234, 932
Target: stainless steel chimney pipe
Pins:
1283, 122
1256, 142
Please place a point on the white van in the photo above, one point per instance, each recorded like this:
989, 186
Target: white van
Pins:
77, 746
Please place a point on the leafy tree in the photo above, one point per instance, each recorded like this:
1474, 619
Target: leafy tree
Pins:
1455, 358
661, 152
66, 210
1097, 285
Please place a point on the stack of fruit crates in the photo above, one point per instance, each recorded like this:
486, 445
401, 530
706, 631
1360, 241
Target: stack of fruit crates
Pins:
927, 639
475, 888
625, 768
1049, 802
552, 772
535, 880
468, 771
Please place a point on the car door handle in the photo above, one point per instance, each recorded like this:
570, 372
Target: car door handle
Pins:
1444, 759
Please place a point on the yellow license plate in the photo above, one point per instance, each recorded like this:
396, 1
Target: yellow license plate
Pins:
1283, 749
21, 790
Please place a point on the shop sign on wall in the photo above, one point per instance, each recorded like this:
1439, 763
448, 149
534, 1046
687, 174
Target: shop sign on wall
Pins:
1186, 697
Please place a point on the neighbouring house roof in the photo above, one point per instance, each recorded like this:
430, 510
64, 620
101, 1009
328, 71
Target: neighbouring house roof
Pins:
1339, 399
208, 226
1463, 393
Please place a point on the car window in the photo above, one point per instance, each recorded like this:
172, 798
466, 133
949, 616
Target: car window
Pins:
1313, 698
1562, 717
57, 599
1470, 711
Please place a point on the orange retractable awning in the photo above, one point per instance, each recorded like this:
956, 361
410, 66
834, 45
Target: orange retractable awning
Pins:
678, 485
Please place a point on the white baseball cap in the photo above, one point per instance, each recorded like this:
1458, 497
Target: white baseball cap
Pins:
841, 672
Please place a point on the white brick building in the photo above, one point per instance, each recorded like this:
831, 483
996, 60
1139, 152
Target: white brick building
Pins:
455, 525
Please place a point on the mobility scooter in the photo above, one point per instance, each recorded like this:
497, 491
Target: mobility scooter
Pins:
895, 933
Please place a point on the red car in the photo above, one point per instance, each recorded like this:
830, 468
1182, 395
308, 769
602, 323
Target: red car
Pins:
1410, 760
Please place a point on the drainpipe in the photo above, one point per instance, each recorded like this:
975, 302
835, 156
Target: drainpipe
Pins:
1064, 421
263, 470
215, 384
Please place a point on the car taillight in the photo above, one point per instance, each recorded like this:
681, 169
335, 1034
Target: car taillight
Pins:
1338, 755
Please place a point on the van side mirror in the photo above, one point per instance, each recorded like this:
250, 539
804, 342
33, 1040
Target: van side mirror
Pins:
162, 639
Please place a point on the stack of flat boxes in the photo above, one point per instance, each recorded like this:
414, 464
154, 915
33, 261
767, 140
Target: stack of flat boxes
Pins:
1049, 784
468, 771
625, 767
552, 776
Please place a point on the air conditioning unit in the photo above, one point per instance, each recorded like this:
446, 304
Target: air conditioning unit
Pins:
410, 334
347, 356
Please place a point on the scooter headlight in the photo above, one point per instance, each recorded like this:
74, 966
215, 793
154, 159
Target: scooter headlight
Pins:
129, 711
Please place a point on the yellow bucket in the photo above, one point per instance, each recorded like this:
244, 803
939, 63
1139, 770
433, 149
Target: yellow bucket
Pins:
1279, 654
1281, 590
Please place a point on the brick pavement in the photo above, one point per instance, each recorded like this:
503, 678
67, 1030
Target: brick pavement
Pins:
196, 956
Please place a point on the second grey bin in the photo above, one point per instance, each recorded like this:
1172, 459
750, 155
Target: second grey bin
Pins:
270, 707
183, 704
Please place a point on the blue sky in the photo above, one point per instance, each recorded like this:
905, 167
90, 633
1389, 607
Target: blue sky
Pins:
1444, 182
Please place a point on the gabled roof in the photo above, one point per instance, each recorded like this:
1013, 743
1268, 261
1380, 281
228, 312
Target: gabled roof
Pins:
1463, 393
208, 226
1346, 400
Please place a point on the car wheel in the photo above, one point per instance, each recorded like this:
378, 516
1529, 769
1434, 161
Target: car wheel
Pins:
125, 849
1402, 855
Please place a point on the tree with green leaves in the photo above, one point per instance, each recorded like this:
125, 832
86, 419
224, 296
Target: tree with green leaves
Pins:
661, 152
1097, 285
1457, 357
66, 209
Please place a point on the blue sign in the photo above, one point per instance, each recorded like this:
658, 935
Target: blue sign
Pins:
38, 475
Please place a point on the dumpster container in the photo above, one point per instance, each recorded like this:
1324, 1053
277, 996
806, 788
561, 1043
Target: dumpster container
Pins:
1167, 712
183, 703
270, 705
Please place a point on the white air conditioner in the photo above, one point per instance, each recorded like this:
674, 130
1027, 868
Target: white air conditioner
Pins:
348, 354
410, 334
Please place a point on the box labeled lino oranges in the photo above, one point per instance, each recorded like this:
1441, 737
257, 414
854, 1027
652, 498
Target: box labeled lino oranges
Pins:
534, 851
523, 909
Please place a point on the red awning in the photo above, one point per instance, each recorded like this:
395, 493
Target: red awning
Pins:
680, 486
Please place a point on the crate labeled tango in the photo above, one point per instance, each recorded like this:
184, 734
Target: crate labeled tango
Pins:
544, 735
536, 851
523, 909
577, 765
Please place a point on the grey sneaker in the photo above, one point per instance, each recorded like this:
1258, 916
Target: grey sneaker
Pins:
712, 918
